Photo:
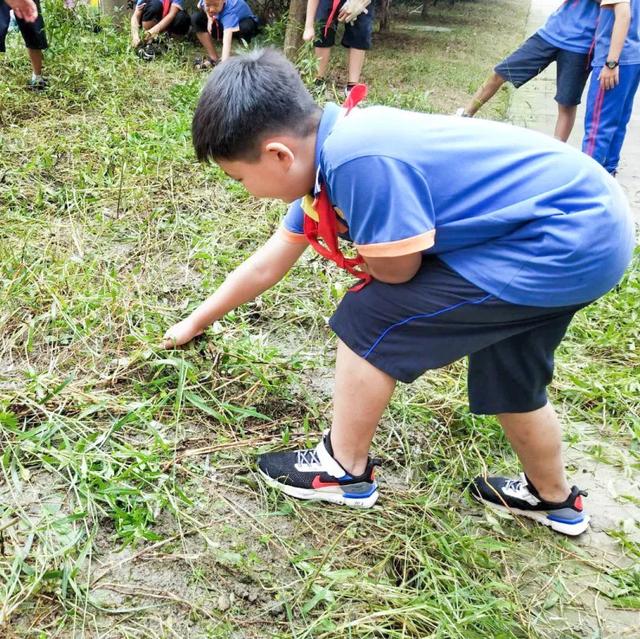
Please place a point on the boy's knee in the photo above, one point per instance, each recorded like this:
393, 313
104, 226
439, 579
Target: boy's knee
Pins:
152, 10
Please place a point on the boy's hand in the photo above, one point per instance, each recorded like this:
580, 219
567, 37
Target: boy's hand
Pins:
181, 333
309, 34
351, 9
609, 78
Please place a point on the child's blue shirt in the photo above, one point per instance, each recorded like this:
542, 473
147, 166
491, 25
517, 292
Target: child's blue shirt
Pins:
631, 50
519, 214
572, 26
232, 12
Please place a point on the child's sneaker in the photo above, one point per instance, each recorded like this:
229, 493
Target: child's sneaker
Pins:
519, 496
461, 113
315, 474
37, 84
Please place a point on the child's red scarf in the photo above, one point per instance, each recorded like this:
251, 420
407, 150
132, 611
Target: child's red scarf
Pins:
326, 226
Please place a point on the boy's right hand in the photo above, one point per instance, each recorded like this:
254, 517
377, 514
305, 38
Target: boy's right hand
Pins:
309, 34
181, 333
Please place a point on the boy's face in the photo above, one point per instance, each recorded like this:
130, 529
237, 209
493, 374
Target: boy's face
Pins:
279, 173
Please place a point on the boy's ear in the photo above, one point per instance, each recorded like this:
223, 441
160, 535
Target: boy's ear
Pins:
282, 152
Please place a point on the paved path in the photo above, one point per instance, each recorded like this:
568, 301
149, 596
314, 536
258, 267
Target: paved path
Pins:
533, 106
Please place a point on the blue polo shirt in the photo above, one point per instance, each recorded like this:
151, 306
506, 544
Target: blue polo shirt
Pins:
519, 214
631, 50
232, 12
572, 26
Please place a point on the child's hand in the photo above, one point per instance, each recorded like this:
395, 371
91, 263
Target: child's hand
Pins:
351, 9
135, 41
309, 34
181, 333
609, 78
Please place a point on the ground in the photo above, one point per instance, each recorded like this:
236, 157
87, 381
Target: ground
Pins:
129, 505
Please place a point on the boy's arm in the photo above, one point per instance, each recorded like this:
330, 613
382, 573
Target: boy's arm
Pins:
265, 268
310, 21
393, 270
163, 25
609, 78
227, 39
136, 21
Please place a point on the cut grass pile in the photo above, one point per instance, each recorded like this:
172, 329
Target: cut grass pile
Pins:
128, 504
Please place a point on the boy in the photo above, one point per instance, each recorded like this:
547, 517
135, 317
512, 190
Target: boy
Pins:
222, 20
156, 17
566, 37
616, 65
357, 16
489, 261
34, 37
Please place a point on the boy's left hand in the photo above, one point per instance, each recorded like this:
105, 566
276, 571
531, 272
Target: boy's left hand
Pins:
351, 9
181, 333
609, 78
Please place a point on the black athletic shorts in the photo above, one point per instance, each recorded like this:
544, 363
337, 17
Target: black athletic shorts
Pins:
356, 35
32, 32
439, 317
152, 12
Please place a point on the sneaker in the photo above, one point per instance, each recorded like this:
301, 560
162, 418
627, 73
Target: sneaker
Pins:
146, 52
39, 84
520, 497
461, 113
315, 474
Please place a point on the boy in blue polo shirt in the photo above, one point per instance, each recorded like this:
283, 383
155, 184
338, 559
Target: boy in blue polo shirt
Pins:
473, 239
614, 83
156, 17
222, 20
566, 38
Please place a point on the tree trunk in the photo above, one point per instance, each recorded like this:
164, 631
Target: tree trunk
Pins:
295, 26
425, 9
385, 15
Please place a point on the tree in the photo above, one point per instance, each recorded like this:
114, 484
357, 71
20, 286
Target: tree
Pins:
295, 26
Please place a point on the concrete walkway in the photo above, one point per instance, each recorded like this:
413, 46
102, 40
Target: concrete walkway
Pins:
533, 106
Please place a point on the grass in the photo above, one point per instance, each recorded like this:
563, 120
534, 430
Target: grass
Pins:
128, 503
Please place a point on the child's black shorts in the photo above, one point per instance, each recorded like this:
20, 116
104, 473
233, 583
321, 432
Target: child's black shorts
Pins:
535, 55
356, 35
439, 317
32, 32
152, 12
247, 27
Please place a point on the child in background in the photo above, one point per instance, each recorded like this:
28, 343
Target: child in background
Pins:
222, 20
34, 38
490, 259
357, 16
566, 38
614, 82
156, 17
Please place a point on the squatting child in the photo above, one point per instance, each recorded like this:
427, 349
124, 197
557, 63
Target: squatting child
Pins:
614, 83
567, 38
473, 239
156, 17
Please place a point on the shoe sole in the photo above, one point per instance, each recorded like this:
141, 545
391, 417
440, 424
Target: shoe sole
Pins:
572, 530
311, 494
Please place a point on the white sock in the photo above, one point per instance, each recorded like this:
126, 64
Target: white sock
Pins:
35, 78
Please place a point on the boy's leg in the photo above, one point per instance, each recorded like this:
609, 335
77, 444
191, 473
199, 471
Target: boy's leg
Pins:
323, 54
5, 13
324, 42
180, 25
361, 394
526, 62
356, 61
630, 75
357, 38
572, 73
35, 40
151, 14
536, 437
199, 26
247, 29
36, 57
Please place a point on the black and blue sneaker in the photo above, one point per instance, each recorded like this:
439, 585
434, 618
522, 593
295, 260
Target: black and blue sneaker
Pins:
520, 497
315, 474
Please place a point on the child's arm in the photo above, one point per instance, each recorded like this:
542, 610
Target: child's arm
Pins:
393, 270
136, 21
265, 268
310, 21
163, 25
227, 39
609, 78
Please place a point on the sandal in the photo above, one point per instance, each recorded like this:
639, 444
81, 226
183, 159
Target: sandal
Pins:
204, 64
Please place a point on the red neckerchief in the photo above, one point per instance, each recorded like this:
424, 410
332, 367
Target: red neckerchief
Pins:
166, 5
334, 8
326, 228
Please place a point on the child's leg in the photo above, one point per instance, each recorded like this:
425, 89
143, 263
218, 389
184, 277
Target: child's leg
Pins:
323, 54
357, 38
325, 40
564, 123
526, 62
36, 57
484, 94
536, 438
356, 60
362, 393
151, 14
199, 26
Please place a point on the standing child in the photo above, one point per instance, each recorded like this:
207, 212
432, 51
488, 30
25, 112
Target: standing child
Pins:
222, 20
566, 38
490, 260
34, 38
614, 83
357, 16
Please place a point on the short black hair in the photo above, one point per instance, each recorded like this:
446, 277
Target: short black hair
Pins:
247, 98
